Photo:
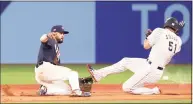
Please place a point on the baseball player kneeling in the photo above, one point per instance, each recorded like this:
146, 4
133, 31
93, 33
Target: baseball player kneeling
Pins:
50, 75
164, 43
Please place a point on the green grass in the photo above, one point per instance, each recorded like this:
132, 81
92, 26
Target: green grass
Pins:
24, 74
179, 74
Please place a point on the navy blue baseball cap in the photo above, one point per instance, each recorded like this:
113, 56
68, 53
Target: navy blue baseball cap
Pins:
59, 28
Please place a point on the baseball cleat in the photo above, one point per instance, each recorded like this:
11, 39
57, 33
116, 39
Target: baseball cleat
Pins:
42, 90
157, 90
78, 93
91, 71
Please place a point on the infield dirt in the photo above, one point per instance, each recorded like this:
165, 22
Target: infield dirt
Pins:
100, 92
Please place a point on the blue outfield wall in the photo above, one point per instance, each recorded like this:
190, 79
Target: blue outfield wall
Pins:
121, 26
23, 23
100, 32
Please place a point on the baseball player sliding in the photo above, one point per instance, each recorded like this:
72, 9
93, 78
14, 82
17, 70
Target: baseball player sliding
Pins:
164, 43
50, 75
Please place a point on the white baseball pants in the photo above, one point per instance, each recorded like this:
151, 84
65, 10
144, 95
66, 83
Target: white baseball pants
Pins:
53, 77
144, 73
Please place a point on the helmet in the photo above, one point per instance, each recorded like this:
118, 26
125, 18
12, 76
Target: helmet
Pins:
172, 23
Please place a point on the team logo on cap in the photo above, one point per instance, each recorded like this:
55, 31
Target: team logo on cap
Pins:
54, 29
62, 27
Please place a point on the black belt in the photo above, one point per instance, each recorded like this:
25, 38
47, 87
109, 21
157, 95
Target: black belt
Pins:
149, 62
40, 63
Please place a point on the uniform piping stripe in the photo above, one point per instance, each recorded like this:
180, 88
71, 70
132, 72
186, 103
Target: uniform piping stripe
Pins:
141, 79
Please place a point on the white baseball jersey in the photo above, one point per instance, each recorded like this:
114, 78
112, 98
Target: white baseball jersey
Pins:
165, 44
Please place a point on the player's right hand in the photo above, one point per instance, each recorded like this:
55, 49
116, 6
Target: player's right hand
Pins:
149, 31
50, 35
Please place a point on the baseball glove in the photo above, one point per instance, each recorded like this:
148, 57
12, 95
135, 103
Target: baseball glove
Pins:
149, 31
181, 25
86, 84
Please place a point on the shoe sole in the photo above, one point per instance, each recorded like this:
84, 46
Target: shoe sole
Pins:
91, 73
78, 96
83, 95
41, 94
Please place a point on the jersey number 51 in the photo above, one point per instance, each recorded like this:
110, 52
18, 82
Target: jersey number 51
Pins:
172, 46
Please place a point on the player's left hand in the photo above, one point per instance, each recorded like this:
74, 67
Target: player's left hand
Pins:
86, 84
149, 31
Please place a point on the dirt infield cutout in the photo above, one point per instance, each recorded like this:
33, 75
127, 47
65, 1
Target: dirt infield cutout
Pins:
100, 92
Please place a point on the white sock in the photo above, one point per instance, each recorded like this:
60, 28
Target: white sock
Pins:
74, 81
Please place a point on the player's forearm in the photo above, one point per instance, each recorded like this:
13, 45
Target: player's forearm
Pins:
44, 38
